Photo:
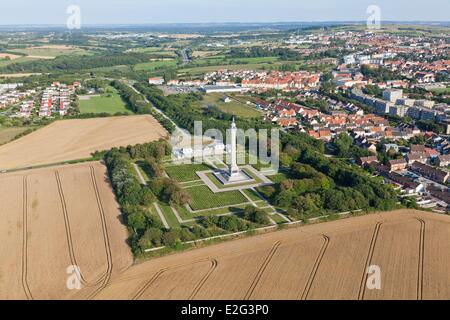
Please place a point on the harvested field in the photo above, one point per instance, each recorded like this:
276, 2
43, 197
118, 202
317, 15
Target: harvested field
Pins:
77, 139
319, 261
55, 218
9, 56
323, 261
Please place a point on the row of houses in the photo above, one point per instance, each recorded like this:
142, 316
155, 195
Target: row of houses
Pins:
56, 99
14, 96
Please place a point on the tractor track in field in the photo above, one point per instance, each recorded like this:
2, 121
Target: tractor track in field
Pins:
261, 270
421, 260
160, 272
316, 266
106, 242
25, 286
70, 245
205, 278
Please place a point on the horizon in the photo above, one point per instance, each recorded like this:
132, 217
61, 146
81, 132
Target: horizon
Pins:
140, 12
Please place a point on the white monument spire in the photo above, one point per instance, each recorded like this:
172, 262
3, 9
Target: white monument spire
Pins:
234, 169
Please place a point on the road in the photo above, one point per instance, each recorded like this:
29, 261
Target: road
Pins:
177, 128
185, 57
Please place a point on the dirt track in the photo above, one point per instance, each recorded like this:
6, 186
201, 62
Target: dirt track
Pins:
60, 216
76, 139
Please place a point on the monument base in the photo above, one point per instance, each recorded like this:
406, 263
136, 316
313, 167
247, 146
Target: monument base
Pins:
236, 178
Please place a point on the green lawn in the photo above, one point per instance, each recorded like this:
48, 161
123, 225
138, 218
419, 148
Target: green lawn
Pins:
235, 209
109, 103
277, 218
204, 198
169, 215
252, 194
185, 172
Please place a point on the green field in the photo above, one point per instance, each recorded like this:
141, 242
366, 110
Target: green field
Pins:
441, 90
109, 103
51, 52
222, 60
202, 70
235, 107
204, 198
6, 62
185, 172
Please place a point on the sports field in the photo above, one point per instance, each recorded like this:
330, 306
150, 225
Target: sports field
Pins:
109, 103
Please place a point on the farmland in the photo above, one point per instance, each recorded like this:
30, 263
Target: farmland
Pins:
304, 263
321, 261
50, 218
77, 139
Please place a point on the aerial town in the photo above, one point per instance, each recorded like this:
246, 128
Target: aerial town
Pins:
225, 161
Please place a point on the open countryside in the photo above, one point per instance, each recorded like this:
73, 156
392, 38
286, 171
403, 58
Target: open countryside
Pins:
77, 139
109, 189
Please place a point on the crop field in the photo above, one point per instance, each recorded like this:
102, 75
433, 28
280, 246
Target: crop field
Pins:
323, 261
204, 198
77, 139
50, 51
50, 218
319, 261
153, 65
185, 173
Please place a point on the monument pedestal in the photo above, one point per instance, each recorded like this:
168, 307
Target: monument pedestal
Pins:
236, 178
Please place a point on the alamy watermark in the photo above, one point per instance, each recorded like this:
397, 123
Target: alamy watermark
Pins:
374, 19
374, 277
250, 146
73, 281
74, 20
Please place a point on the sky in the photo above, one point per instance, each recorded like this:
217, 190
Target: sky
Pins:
206, 11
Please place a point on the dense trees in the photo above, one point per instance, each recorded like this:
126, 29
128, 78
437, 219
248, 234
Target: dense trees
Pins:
319, 184
256, 215
345, 148
257, 52
379, 74
77, 62
136, 102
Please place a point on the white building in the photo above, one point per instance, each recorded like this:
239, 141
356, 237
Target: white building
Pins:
392, 95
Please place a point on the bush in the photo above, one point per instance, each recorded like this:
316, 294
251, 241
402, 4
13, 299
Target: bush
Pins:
256, 215
151, 238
